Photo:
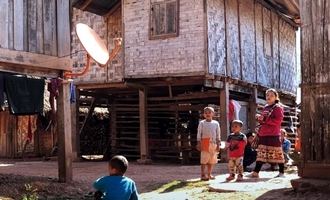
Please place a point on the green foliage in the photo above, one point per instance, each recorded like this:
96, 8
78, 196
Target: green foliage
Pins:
31, 193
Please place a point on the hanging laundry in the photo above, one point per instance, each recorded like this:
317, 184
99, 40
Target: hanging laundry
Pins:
2, 89
72, 93
26, 128
25, 95
53, 88
234, 108
231, 113
237, 109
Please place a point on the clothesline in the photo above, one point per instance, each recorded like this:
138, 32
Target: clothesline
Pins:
63, 80
25, 94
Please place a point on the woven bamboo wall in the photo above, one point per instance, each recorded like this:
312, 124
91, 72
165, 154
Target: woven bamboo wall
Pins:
250, 42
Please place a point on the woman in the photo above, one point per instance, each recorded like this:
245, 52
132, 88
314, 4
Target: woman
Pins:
270, 145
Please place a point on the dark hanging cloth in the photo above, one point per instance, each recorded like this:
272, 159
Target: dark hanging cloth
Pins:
2, 89
25, 95
53, 88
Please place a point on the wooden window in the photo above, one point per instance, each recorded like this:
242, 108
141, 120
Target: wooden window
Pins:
267, 32
164, 17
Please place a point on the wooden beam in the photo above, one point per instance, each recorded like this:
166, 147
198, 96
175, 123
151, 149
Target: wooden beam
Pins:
75, 135
113, 9
253, 109
85, 4
63, 27
64, 134
284, 17
101, 85
77, 125
195, 95
113, 125
144, 151
224, 103
33, 60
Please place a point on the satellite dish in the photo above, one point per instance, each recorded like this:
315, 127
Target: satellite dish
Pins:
92, 43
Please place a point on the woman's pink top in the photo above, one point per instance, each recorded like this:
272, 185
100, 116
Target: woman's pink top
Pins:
271, 123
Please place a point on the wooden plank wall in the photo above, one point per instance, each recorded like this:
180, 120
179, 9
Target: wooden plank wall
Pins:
246, 22
232, 40
275, 53
287, 57
33, 26
315, 118
260, 57
7, 139
217, 41
247, 40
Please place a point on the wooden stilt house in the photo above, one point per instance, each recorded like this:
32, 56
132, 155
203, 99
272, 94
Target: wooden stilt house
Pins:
35, 42
179, 56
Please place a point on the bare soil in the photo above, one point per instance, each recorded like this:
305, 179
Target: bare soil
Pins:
156, 181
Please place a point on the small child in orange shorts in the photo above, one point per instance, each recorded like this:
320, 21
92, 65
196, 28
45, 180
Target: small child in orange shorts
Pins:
208, 137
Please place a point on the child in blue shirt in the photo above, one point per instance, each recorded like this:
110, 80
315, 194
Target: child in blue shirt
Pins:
286, 146
116, 186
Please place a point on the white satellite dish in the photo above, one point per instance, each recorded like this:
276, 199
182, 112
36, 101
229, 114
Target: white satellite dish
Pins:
92, 43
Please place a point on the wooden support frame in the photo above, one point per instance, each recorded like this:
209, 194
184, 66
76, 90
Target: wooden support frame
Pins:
74, 121
113, 124
224, 103
9, 58
64, 134
144, 151
253, 109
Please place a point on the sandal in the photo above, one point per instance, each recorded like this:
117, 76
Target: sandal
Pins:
253, 175
204, 178
230, 177
211, 177
239, 178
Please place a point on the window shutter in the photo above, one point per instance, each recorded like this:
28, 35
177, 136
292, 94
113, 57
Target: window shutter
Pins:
171, 15
164, 19
158, 19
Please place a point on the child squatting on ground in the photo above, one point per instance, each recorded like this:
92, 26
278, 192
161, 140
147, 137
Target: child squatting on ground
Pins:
208, 138
116, 186
235, 145
250, 154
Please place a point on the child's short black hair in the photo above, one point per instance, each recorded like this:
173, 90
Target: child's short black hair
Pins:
249, 134
119, 163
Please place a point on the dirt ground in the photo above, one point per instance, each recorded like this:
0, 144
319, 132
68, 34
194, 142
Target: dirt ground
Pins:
156, 181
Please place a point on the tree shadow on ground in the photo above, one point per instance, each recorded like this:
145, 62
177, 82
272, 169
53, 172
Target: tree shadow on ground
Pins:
248, 180
289, 193
14, 186
177, 185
